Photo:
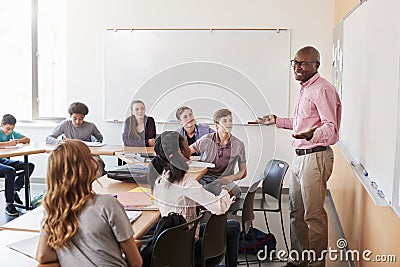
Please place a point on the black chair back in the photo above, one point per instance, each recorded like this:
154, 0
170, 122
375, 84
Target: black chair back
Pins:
175, 246
274, 173
214, 240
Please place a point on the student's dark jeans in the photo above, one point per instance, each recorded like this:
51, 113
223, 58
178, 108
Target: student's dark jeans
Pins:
232, 242
8, 170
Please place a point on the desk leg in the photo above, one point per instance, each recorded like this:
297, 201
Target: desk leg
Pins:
27, 184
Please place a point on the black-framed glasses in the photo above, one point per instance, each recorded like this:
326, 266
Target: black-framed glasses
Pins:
302, 64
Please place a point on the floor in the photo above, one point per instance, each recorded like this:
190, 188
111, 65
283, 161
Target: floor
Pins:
274, 220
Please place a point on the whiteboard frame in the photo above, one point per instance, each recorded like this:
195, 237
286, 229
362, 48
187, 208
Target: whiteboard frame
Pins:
396, 181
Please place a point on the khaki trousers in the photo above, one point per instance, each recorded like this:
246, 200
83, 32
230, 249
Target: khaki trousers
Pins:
308, 219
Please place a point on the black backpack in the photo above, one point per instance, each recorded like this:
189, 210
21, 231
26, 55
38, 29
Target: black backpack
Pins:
173, 219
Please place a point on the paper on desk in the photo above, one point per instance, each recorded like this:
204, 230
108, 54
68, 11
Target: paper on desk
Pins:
133, 214
201, 164
94, 143
16, 146
27, 246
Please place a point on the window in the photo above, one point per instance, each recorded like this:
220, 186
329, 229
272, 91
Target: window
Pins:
32, 64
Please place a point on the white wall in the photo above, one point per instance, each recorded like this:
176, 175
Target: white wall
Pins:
310, 21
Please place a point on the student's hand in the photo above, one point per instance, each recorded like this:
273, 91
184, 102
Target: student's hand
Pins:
230, 191
151, 142
224, 181
306, 134
267, 119
12, 142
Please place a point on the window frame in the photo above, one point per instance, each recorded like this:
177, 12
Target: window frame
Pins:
35, 66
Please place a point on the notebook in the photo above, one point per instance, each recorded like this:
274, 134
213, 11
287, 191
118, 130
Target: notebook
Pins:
133, 214
136, 201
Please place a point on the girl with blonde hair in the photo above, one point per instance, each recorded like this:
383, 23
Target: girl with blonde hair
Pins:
81, 228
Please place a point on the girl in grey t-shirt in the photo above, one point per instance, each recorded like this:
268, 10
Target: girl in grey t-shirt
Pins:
81, 228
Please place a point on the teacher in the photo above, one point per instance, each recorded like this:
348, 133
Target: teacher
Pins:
315, 126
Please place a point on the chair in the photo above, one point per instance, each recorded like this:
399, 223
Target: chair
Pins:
175, 246
274, 174
247, 214
213, 246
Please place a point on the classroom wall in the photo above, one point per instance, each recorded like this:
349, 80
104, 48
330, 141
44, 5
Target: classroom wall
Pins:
365, 225
310, 21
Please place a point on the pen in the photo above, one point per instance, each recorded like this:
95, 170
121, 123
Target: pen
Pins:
381, 194
365, 173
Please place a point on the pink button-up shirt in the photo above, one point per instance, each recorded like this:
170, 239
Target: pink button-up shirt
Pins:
317, 104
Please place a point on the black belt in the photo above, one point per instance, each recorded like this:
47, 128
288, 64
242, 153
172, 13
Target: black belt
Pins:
301, 152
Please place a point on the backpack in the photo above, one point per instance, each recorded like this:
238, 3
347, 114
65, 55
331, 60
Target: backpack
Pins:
173, 219
261, 240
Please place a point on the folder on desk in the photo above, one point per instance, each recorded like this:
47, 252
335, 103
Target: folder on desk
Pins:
136, 201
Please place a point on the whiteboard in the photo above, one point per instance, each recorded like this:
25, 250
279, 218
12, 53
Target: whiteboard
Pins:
246, 71
371, 43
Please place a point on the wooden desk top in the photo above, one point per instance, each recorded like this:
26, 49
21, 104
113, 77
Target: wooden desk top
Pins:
106, 150
26, 149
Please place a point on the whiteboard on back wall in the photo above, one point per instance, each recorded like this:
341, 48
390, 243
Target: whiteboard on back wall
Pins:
371, 46
244, 70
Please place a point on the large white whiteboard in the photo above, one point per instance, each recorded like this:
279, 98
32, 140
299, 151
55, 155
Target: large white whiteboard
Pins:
244, 70
370, 90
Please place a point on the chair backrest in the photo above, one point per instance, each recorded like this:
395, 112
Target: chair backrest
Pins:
214, 240
175, 246
248, 204
274, 174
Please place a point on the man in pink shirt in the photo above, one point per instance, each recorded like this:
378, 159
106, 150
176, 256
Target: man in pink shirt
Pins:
315, 126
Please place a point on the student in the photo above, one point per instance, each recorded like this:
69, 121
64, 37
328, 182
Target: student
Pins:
81, 228
224, 150
159, 162
175, 192
189, 129
8, 167
139, 129
77, 128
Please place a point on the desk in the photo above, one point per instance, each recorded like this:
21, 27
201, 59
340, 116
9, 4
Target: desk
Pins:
25, 150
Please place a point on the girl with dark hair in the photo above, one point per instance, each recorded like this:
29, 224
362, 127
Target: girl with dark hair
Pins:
139, 129
176, 192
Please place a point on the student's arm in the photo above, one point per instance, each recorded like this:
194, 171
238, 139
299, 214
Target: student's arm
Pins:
51, 139
24, 140
45, 253
236, 176
150, 131
96, 133
131, 252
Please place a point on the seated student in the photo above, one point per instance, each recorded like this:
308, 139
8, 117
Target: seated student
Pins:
159, 162
81, 228
77, 128
8, 167
189, 129
224, 150
175, 192
139, 129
